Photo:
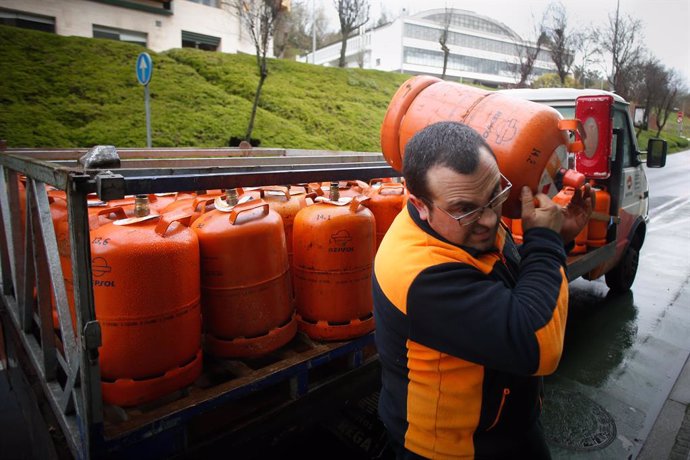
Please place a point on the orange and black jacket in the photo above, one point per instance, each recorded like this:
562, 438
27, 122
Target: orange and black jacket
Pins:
463, 337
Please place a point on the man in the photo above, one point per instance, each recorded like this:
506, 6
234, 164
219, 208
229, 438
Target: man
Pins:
466, 323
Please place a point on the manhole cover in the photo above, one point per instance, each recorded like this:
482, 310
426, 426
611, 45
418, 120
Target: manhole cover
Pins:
573, 421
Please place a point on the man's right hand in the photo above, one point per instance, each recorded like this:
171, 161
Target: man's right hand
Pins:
548, 214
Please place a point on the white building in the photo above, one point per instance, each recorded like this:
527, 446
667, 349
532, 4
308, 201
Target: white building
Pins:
481, 49
157, 24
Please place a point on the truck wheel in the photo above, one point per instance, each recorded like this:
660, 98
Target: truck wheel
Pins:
621, 277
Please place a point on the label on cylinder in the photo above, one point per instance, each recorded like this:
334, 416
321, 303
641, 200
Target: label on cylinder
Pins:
558, 160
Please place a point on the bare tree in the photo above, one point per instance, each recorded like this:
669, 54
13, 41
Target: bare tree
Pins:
668, 99
622, 38
652, 81
443, 38
296, 30
259, 17
352, 14
385, 17
562, 42
527, 53
590, 57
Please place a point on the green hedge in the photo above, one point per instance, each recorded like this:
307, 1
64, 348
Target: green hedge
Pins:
77, 92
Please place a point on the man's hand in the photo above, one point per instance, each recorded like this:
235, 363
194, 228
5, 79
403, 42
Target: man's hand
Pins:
576, 214
548, 214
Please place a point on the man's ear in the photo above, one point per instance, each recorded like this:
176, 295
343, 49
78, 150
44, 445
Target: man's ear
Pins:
422, 208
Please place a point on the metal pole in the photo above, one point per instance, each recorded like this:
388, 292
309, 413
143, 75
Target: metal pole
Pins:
148, 116
682, 119
313, 31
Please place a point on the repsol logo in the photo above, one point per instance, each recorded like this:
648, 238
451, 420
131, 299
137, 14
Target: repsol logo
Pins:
103, 283
345, 249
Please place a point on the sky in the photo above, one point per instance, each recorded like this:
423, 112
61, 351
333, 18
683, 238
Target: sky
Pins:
665, 23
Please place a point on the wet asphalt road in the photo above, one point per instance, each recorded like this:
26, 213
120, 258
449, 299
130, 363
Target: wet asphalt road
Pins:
624, 353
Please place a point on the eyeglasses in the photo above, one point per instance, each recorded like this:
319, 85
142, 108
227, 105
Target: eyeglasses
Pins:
474, 215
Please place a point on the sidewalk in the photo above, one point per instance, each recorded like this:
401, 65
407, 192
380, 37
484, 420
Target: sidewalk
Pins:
670, 435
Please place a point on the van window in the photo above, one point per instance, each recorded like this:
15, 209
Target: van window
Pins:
620, 124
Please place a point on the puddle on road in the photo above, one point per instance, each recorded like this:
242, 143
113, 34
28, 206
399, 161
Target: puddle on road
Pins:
575, 422
601, 328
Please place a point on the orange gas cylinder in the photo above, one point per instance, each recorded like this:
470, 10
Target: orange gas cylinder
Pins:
284, 202
245, 281
22, 201
380, 180
155, 203
97, 215
385, 202
334, 244
159, 201
598, 223
147, 298
195, 205
345, 188
562, 198
525, 136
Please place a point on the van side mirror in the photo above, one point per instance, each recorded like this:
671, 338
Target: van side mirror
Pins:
656, 153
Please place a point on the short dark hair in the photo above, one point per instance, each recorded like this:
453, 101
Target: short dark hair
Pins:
445, 143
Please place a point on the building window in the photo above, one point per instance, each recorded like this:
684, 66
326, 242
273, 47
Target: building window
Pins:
213, 3
430, 58
199, 41
460, 39
27, 21
129, 36
378, 62
470, 22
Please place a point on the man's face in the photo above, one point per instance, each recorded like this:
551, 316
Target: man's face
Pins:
458, 194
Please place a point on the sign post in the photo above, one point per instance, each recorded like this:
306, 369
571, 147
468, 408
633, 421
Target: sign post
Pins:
144, 69
680, 123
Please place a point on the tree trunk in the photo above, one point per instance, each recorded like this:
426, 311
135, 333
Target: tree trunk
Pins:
343, 48
255, 106
446, 52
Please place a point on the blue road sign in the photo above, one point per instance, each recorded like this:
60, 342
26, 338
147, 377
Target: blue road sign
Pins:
144, 68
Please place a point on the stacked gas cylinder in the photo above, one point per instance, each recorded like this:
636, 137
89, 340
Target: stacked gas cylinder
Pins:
233, 274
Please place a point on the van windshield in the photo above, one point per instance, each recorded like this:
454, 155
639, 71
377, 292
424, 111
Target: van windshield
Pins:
567, 112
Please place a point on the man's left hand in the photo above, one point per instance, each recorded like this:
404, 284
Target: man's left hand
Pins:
576, 213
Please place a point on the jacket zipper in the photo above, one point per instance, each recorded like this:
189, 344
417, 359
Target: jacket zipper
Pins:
506, 392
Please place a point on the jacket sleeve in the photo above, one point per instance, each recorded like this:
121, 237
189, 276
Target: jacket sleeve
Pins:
456, 309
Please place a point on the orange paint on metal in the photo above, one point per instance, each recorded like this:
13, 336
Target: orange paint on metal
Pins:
247, 302
196, 204
386, 202
147, 300
524, 135
599, 222
287, 202
345, 188
334, 247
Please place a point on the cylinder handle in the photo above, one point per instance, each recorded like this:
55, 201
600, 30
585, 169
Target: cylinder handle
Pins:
276, 189
576, 126
248, 206
167, 219
356, 201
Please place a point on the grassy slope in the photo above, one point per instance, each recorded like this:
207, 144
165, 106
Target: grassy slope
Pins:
76, 92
